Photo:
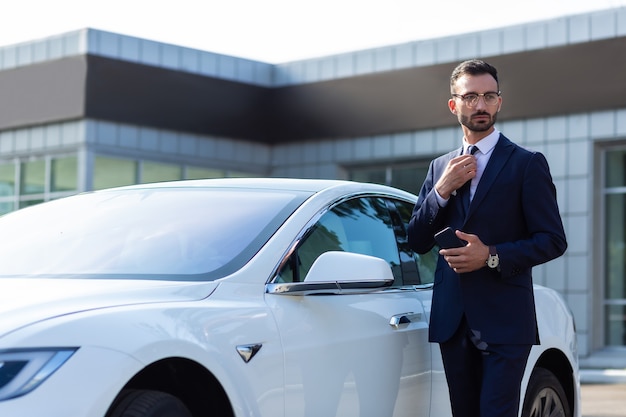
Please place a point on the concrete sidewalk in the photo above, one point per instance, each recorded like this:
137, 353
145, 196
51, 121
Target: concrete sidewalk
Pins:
603, 392
603, 400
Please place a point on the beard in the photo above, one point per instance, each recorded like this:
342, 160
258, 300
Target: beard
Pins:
481, 126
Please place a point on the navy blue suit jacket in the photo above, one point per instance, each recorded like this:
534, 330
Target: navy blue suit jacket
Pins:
515, 209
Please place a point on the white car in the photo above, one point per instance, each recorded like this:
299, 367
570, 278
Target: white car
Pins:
236, 297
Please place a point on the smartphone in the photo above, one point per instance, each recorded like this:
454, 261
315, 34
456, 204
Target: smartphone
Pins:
446, 239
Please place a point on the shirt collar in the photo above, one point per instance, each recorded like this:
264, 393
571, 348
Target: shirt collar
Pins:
486, 144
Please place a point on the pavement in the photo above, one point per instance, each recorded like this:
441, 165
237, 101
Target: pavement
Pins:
603, 392
603, 400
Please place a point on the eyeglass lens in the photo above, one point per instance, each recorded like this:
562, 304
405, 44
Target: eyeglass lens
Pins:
471, 99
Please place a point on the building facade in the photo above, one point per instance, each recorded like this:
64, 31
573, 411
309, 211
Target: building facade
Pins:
89, 109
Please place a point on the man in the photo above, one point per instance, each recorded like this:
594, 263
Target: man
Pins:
483, 312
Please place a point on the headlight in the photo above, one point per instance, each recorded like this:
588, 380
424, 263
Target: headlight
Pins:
21, 371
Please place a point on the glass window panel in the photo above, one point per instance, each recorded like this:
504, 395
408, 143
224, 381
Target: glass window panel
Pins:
409, 178
28, 203
7, 179
240, 174
616, 169
64, 174
372, 175
33, 177
157, 172
196, 173
615, 246
113, 172
6, 206
615, 252
615, 325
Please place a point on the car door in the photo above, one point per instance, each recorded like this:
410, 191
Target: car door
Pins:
356, 354
423, 279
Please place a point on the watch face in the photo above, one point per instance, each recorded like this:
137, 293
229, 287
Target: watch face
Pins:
493, 261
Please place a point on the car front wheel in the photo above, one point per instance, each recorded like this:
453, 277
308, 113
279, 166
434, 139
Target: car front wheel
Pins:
545, 396
144, 403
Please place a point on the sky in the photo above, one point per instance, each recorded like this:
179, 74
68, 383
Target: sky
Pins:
278, 31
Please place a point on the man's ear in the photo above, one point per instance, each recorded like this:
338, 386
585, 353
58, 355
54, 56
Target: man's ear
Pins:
452, 106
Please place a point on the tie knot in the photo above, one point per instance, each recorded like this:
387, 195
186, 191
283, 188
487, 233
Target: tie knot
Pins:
472, 149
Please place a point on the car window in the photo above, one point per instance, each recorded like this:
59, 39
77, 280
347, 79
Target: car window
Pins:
425, 263
360, 225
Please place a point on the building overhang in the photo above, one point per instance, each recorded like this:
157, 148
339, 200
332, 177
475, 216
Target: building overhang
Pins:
574, 78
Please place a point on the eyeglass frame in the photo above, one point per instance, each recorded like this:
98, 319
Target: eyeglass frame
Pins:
463, 97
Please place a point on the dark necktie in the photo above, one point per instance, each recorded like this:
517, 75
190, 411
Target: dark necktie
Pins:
465, 189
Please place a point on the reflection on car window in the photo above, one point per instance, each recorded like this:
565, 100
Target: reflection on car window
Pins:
169, 233
360, 225
425, 263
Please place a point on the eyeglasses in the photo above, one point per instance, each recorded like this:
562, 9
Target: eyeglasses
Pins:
471, 99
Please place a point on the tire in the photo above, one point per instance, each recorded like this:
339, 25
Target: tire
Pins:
144, 403
545, 396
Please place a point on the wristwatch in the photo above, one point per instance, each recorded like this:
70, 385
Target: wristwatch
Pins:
493, 261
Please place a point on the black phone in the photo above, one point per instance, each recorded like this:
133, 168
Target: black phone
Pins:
446, 239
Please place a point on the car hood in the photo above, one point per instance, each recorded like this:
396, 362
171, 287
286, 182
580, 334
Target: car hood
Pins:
26, 301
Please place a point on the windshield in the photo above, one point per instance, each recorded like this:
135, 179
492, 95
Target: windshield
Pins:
166, 233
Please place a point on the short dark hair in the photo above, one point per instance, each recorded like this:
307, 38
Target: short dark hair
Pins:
473, 67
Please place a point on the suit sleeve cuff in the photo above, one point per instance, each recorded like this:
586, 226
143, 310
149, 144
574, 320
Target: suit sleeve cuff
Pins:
440, 200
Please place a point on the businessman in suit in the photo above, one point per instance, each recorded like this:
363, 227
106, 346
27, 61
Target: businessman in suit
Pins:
500, 200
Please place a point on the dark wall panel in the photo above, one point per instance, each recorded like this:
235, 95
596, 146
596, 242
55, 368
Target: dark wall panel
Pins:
574, 78
48, 92
140, 94
569, 79
364, 105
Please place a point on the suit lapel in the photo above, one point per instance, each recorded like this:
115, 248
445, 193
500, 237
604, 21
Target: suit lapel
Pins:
500, 155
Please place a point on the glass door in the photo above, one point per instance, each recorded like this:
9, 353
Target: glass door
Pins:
614, 302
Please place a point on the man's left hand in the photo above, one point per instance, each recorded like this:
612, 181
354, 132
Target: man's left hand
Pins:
468, 258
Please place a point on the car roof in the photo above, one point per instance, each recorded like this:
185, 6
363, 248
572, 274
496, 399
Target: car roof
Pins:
285, 184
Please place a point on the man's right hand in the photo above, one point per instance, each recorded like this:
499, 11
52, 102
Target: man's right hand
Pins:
459, 170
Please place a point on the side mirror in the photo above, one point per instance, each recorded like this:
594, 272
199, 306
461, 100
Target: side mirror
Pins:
337, 272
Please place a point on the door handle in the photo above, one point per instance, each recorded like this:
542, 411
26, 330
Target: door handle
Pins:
404, 319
